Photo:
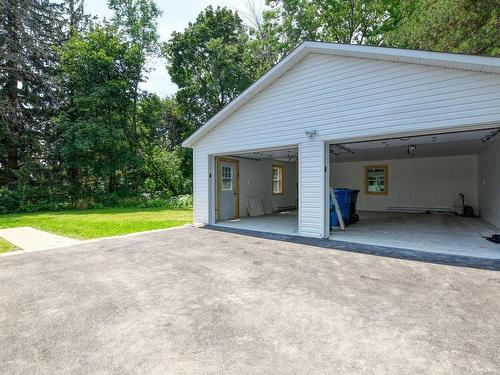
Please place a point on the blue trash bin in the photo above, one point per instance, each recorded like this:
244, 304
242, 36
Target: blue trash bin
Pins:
344, 197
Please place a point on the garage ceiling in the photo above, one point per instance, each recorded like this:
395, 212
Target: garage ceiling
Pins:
448, 144
289, 154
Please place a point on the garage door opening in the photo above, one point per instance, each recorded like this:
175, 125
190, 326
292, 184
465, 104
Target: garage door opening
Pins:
437, 193
258, 191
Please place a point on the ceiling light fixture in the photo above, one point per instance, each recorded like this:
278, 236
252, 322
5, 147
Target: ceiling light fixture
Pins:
412, 149
311, 133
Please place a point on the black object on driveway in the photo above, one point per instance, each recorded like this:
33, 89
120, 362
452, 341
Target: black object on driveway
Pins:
495, 238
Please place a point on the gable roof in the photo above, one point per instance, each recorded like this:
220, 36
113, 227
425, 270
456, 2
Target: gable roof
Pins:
439, 59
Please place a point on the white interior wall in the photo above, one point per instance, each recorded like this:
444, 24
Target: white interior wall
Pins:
489, 182
256, 181
417, 182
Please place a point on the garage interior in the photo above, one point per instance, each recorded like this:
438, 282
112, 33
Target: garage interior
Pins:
428, 181
266, 188
424, 183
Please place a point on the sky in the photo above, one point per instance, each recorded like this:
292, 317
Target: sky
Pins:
176, 16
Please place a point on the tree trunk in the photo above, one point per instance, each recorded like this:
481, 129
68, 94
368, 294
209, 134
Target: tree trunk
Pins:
112, 183
11, 95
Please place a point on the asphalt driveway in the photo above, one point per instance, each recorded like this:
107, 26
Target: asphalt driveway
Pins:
198, 301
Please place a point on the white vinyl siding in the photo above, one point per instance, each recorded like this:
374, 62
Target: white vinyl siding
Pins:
201, 189
312, 189
345, 97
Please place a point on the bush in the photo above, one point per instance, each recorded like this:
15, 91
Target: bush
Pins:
181, 201
185, 200
33, 198
44, 198
9, 201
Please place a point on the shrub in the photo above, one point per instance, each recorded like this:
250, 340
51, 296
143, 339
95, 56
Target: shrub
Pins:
51, 198
33, 198
9, 201
145, 202
185, 200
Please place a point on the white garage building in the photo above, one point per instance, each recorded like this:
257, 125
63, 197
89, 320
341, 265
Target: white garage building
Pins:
411, 130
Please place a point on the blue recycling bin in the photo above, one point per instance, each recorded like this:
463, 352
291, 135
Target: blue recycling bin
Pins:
344, 197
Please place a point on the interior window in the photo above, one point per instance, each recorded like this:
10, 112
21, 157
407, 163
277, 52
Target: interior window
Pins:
277, 179
227, 178
376, 179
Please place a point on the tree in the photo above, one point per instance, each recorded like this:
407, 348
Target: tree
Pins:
161, 129
93, 134
29, 31
464, 26
161, 122
210, 63
341, 21
76, 19
137, 20
263, 45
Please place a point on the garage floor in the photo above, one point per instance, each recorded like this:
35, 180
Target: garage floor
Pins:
280, 222
425, 232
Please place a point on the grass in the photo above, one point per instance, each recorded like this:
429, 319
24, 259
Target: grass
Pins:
5, 246
87, 224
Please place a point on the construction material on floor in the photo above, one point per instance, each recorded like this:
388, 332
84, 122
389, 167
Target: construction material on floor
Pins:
421, 210
255, 207
336, 216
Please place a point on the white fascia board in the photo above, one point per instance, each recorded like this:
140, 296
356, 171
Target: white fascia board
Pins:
447, 60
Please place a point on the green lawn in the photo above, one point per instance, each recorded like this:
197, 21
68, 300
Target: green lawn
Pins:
5, 246
87, 224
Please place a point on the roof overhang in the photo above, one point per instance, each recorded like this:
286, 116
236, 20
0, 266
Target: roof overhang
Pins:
439, 59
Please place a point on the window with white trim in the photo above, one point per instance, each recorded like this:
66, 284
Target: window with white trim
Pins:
376, 179
226, 177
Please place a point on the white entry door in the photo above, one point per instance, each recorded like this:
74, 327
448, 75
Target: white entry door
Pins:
228, 189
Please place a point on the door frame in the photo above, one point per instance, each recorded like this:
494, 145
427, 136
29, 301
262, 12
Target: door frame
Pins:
236, 162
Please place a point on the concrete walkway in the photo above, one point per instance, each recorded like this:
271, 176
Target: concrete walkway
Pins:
31, 239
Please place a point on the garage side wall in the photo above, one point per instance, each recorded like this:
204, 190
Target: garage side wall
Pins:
256, 181
489, 182
420, 182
